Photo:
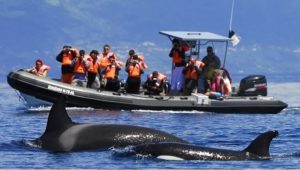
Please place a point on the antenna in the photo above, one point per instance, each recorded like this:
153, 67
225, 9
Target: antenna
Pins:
231, 15
230, 31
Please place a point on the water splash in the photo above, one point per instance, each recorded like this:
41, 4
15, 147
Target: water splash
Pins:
48, 108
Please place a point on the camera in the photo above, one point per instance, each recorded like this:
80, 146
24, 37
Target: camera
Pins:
67, 51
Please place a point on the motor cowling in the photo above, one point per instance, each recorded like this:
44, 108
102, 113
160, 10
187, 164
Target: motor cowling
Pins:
253, 85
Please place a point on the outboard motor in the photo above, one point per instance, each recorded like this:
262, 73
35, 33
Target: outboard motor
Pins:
253, 85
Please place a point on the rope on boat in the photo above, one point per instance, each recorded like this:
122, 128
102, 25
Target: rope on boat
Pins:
21, 98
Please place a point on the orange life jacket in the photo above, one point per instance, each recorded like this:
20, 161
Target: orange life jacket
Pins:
160, 79
105, 62
192, 73
103, 59
94, 66
134, 71
102, 55
67, 59
42, 71
142, 61
110, 72
177, 59
79, 67
199, 64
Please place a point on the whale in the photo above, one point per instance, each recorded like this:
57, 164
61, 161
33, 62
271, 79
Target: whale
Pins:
64, 135
258, 149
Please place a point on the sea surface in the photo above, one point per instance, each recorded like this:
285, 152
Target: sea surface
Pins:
20, 124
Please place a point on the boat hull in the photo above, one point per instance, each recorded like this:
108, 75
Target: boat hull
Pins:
48, 90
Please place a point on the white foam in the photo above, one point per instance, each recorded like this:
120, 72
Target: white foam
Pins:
169, 158
170, 111
48, 108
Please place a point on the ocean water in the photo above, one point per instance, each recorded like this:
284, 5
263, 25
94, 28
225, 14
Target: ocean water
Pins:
227, 131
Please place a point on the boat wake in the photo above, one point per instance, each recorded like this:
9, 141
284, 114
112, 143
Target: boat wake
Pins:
289, 155
171, 111
47, 108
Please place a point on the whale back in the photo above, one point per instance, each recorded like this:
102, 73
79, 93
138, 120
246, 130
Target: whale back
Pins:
260, 146
258, 149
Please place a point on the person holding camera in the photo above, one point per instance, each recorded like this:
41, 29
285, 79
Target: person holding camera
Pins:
110, 80
134, 70
93, 80
156, 84
192, 73
141, 60
81, 67
66, 56
177, 54
105, 56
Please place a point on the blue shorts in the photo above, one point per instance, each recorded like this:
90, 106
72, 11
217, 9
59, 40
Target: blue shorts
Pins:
218, 94
215, 95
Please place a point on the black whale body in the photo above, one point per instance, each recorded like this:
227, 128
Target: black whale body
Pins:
63, 135
257, 150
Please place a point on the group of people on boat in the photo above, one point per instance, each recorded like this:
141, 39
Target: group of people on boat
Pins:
190, 75
101, 71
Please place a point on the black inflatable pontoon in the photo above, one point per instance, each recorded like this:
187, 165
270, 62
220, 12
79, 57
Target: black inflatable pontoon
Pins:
48, 90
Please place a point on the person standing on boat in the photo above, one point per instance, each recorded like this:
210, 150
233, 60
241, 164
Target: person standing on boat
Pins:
104, 59
40, 68
156, 84
93, 80
141, 60
211, 62
105, 55
192, 72
110, 76
65, 57
81, 67
134, 70
177, 54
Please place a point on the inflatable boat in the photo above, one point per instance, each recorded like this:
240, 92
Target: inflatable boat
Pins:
48, 90
250, 96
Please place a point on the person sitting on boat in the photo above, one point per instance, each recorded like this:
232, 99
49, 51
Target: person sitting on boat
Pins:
65, 57
156, 84
40, 68
110, 80
80, 69
216, 86
177, 54
192, 72
93, 80
227, 82
134, 70
211, 62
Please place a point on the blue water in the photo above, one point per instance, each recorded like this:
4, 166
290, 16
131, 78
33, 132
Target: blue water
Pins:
227, 131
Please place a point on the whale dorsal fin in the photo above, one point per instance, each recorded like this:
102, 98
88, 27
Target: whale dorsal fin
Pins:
260, 145
58, 118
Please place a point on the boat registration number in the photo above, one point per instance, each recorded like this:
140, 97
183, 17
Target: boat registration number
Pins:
61, 90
